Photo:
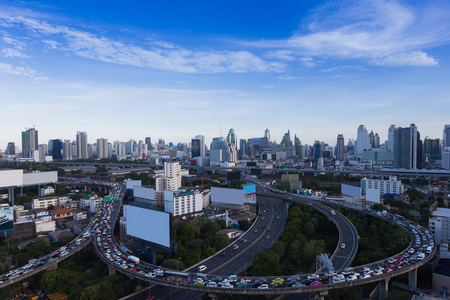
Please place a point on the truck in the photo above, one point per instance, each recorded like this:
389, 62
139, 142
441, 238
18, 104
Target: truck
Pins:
133, 259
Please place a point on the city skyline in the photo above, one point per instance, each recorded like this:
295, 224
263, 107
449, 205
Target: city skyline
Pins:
175, 71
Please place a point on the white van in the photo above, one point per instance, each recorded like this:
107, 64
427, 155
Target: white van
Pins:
202, 268
232, 278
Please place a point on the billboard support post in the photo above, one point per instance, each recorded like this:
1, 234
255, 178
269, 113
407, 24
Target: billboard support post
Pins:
21, 191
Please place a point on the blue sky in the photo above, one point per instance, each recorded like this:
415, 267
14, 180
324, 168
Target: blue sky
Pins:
173, 69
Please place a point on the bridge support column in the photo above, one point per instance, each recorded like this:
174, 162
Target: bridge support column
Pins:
383, 286
412, 279
111, 270
212, 296
54, 267
322, 295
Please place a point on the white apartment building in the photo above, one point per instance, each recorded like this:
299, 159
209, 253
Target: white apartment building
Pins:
47, 190
439, 225
85, 201
95, 204
206, 198
44, 223
181, 203
46, 202
171, 181
390, 186
79, 215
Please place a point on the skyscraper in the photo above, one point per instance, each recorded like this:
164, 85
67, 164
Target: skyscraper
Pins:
362, 140
67, 150
82, 146
446, 139
102, 148
286, 141
29, 141
340, 147
11, 149
55, 148
298, 147
231, 137
408, 148
267, 134
391, 138
148, 141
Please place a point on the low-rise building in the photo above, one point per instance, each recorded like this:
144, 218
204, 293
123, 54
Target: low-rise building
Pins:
46, 202
390, 186
61, 213
439, 224
47, 190
44, 224
79, 215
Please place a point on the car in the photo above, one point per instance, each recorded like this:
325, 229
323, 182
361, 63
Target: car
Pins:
315, 283
267, 237
263, 286
211, 284
343, 245
223, 253
235, 247
313, 277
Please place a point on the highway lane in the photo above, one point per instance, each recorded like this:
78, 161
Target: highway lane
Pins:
237, 260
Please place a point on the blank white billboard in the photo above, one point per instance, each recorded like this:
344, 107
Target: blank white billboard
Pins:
227, 196
40, 178
132, 183
149, 225
144, 193
373, 195
350, 190
11, 178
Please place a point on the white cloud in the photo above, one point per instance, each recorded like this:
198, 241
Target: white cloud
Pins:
20, 71
8, 52
381, 32
162, 56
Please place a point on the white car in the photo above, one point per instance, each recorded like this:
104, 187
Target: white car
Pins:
263, 286
313, 277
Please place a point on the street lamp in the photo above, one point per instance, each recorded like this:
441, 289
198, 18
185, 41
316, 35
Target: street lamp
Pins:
179, 258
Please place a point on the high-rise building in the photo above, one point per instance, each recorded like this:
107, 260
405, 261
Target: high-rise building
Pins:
171, 181
231, 137
407, 148
82, 145
432, 149
55, 148
446, 139
267, 134
445, 158
286, 141
148, 141
298, 147
375, 143
340, 147
198, 146
11, 149
362, 140
102, 148
391, 143
29, 141
67, 150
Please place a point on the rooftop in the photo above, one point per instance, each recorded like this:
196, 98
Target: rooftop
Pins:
442, 268
441, 212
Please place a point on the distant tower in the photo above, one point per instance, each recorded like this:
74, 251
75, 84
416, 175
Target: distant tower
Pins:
67, 150
102, 148
29, 141
340, 147
267, 134
82, 148
11, 149
231, 137
286, 141
55, 148
446, 139
391, 138
362, 140
408, 148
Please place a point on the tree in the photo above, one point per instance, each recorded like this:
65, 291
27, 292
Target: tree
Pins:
244, 225
222, 240
49, 280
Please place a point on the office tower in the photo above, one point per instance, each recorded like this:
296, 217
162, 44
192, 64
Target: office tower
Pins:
375, 142
317, 150
148, 141
161, 144
298, 147
29, 141
362, 140
11, 149
130, 147
432, 149
198, 146
243, 148
371, 138
267, 134
92, 150
391, 138
231, 137
102, 148
67, 150
286, 141
408, 148
195, 147
445, 158
55, 148
446, 139
82, 145
340, 147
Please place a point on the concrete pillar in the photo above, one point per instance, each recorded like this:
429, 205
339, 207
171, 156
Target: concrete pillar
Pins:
212, 296
54, 187
111, 270
54, 267
21, 191
412, 279
11, 194
322, 295
39, 191
383, 286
